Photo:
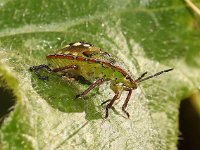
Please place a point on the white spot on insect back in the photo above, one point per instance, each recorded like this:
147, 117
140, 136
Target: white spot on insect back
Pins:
86, 45
67, 46
59, 52
77, 44
66, 52
75, 53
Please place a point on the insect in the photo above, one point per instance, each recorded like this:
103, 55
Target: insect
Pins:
93, 64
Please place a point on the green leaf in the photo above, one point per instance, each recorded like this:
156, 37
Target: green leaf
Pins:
147, 35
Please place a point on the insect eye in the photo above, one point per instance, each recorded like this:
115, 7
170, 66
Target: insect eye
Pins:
128, 78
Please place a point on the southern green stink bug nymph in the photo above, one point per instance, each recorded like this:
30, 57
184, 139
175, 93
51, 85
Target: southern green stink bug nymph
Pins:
93, 64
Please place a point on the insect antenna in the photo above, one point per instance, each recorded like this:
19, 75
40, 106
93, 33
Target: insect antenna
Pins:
140, 79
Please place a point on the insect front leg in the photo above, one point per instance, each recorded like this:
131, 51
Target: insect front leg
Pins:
126, 103
118, 91
92, 86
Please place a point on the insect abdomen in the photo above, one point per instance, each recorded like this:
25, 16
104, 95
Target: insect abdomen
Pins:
89, 68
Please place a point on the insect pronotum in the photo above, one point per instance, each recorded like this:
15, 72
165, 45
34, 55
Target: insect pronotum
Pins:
93, 64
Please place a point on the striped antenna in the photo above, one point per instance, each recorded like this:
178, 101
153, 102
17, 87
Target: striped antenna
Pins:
141, 78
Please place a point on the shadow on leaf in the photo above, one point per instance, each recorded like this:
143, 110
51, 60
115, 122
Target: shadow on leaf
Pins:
60, 94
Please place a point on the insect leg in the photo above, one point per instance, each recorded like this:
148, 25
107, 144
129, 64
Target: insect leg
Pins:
126, 103
105, 102
118, 89
35, 69
64, 68
92, 86
117, 95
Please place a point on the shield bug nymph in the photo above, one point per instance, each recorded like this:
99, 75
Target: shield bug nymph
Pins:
93, 64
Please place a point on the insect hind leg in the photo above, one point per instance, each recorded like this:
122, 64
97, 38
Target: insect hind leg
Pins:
36, 69
64, 68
